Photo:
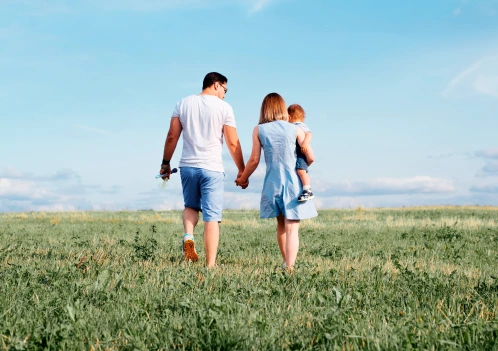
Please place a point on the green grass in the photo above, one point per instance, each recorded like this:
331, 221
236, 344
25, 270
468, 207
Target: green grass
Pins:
422, 278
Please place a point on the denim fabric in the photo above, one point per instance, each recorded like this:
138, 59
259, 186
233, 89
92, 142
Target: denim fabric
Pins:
302, 162
203, 191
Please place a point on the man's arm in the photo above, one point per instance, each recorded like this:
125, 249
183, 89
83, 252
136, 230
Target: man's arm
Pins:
233, 144
174, 132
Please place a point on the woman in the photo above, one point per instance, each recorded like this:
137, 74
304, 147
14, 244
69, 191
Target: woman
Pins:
282, 186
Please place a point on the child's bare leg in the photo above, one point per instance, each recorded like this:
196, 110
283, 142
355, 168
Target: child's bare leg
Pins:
305, 178
292, 242
281, 234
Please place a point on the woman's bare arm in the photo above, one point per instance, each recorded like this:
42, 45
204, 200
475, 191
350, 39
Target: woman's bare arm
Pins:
253, 161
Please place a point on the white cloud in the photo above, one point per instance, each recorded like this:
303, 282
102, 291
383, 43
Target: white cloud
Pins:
328, 194
158, 5
241, 200
64, 190
489, 169
145, 5
387, 186
21, 189
485, 188
11, 172
94, 130
59, 7
477, 7
407, 201
341, 202
36, 7
466, 155
487, 153
259, 5
58, 207
63, 174
461, 76
488, 7
60, 175
158, 198
479, 78
491, 166
442, 156
487, 85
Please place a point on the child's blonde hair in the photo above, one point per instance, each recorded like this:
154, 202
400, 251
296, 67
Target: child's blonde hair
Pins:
273, 109
296, 113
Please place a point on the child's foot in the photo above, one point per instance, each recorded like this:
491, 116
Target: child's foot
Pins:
188, 247
305, 196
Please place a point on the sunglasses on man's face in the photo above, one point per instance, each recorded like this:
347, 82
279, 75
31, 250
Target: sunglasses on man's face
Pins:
224, 88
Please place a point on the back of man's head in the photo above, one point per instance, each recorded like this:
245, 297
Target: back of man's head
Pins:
213, 77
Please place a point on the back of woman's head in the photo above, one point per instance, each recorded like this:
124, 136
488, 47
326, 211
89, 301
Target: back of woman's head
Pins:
273, 108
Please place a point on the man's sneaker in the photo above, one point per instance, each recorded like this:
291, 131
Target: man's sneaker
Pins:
305, 196
188, 247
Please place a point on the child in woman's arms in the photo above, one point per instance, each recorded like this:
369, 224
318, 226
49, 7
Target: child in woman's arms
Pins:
296, 116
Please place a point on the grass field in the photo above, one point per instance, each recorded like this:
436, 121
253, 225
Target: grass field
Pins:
378, 279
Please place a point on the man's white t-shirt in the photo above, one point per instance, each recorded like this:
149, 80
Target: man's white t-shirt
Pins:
202, 118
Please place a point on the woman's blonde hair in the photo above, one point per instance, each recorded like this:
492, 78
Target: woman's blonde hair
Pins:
273, 108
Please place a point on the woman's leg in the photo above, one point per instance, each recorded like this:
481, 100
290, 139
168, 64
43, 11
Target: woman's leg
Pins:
281, 234
291, 242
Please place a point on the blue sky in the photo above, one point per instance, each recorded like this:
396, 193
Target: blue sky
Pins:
401, 97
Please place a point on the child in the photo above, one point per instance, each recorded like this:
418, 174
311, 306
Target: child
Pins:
277, 137
296, 116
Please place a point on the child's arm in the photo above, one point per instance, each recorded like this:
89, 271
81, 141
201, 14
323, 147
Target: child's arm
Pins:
306, 142
310, 155
252, 163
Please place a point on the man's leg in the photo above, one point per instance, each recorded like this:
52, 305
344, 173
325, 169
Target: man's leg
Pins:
211, 240
190, 216
190, 219
212, 207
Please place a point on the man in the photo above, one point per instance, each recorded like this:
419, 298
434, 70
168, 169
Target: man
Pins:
204, 119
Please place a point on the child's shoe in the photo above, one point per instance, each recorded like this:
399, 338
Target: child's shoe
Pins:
305, 196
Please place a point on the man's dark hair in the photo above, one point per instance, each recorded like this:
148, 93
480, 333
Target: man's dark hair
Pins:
213, 77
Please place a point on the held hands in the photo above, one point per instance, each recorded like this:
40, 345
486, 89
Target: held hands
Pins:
241, 181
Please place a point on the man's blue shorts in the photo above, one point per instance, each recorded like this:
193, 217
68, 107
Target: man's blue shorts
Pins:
203, 191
